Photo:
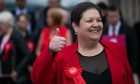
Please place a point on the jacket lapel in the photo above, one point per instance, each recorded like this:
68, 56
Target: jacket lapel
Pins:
115, 65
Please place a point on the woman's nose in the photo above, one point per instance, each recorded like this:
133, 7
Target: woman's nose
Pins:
95, 23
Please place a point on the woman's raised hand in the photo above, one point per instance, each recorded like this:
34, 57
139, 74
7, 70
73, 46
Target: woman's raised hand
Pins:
57, 43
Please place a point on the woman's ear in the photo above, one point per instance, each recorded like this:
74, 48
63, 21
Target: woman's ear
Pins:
75, 27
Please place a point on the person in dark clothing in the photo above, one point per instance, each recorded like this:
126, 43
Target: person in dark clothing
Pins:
22, 25
12, 49
117, 30
22, 9
137, 30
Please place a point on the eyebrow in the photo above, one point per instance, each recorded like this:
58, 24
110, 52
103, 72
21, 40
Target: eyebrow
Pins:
92, 18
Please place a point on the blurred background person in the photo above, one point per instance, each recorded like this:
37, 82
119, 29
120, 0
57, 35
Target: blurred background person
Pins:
116, 30
12, 49
137, 30
7, 70
41, 21
54, 19
22, 27
22, 9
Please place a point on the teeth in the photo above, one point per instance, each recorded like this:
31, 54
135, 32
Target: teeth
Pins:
94, 30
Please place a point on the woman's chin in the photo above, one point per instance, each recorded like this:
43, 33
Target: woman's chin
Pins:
95, 39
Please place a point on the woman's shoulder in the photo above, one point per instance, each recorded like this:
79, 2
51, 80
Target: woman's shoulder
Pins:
109, 44
115, 48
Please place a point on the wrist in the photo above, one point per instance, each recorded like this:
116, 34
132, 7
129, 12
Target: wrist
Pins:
51, 52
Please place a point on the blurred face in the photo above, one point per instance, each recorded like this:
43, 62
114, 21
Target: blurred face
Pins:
49, 19
53, 3
23, 23
3, 27
21, 3
113, 17
90, 26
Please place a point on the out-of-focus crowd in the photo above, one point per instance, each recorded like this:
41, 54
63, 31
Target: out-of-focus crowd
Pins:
23, 36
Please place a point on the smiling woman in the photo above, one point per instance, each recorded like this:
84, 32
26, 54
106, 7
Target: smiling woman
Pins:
89, 60
89, 27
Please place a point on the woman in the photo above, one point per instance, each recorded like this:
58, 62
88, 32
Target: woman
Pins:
89, 60
12, 49
54, 19
22, 27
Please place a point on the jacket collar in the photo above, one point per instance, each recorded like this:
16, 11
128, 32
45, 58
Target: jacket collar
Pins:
75, 45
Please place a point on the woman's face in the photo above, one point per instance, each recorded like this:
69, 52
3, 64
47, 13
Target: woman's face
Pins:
90, 26
113, 17
3, 27
49, 19
23, 22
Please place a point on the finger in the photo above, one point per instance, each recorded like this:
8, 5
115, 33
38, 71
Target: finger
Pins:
61, 46
57, 32
62, 39
62, 43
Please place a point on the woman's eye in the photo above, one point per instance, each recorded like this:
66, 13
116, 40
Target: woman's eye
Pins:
89, 21
99, 20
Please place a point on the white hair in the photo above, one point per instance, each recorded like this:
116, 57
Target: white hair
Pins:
7, 17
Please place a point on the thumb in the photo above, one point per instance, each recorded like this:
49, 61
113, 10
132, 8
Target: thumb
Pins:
57, 32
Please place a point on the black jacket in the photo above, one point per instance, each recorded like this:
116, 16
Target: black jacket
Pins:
131, 43
15, 55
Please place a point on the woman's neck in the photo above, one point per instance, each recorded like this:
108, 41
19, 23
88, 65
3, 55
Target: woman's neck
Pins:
54, 27
89, 48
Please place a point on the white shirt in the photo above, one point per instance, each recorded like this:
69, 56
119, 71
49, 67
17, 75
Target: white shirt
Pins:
19, 11
116, 31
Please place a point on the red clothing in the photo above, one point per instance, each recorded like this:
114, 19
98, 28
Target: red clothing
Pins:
50, 70
46, 35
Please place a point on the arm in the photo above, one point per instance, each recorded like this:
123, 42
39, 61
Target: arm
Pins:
44, 69
38, 50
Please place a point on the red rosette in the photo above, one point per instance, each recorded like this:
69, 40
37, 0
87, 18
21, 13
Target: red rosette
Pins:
8, 47
30, 46
73, 71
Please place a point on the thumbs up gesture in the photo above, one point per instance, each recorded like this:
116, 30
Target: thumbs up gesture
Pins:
57, 42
